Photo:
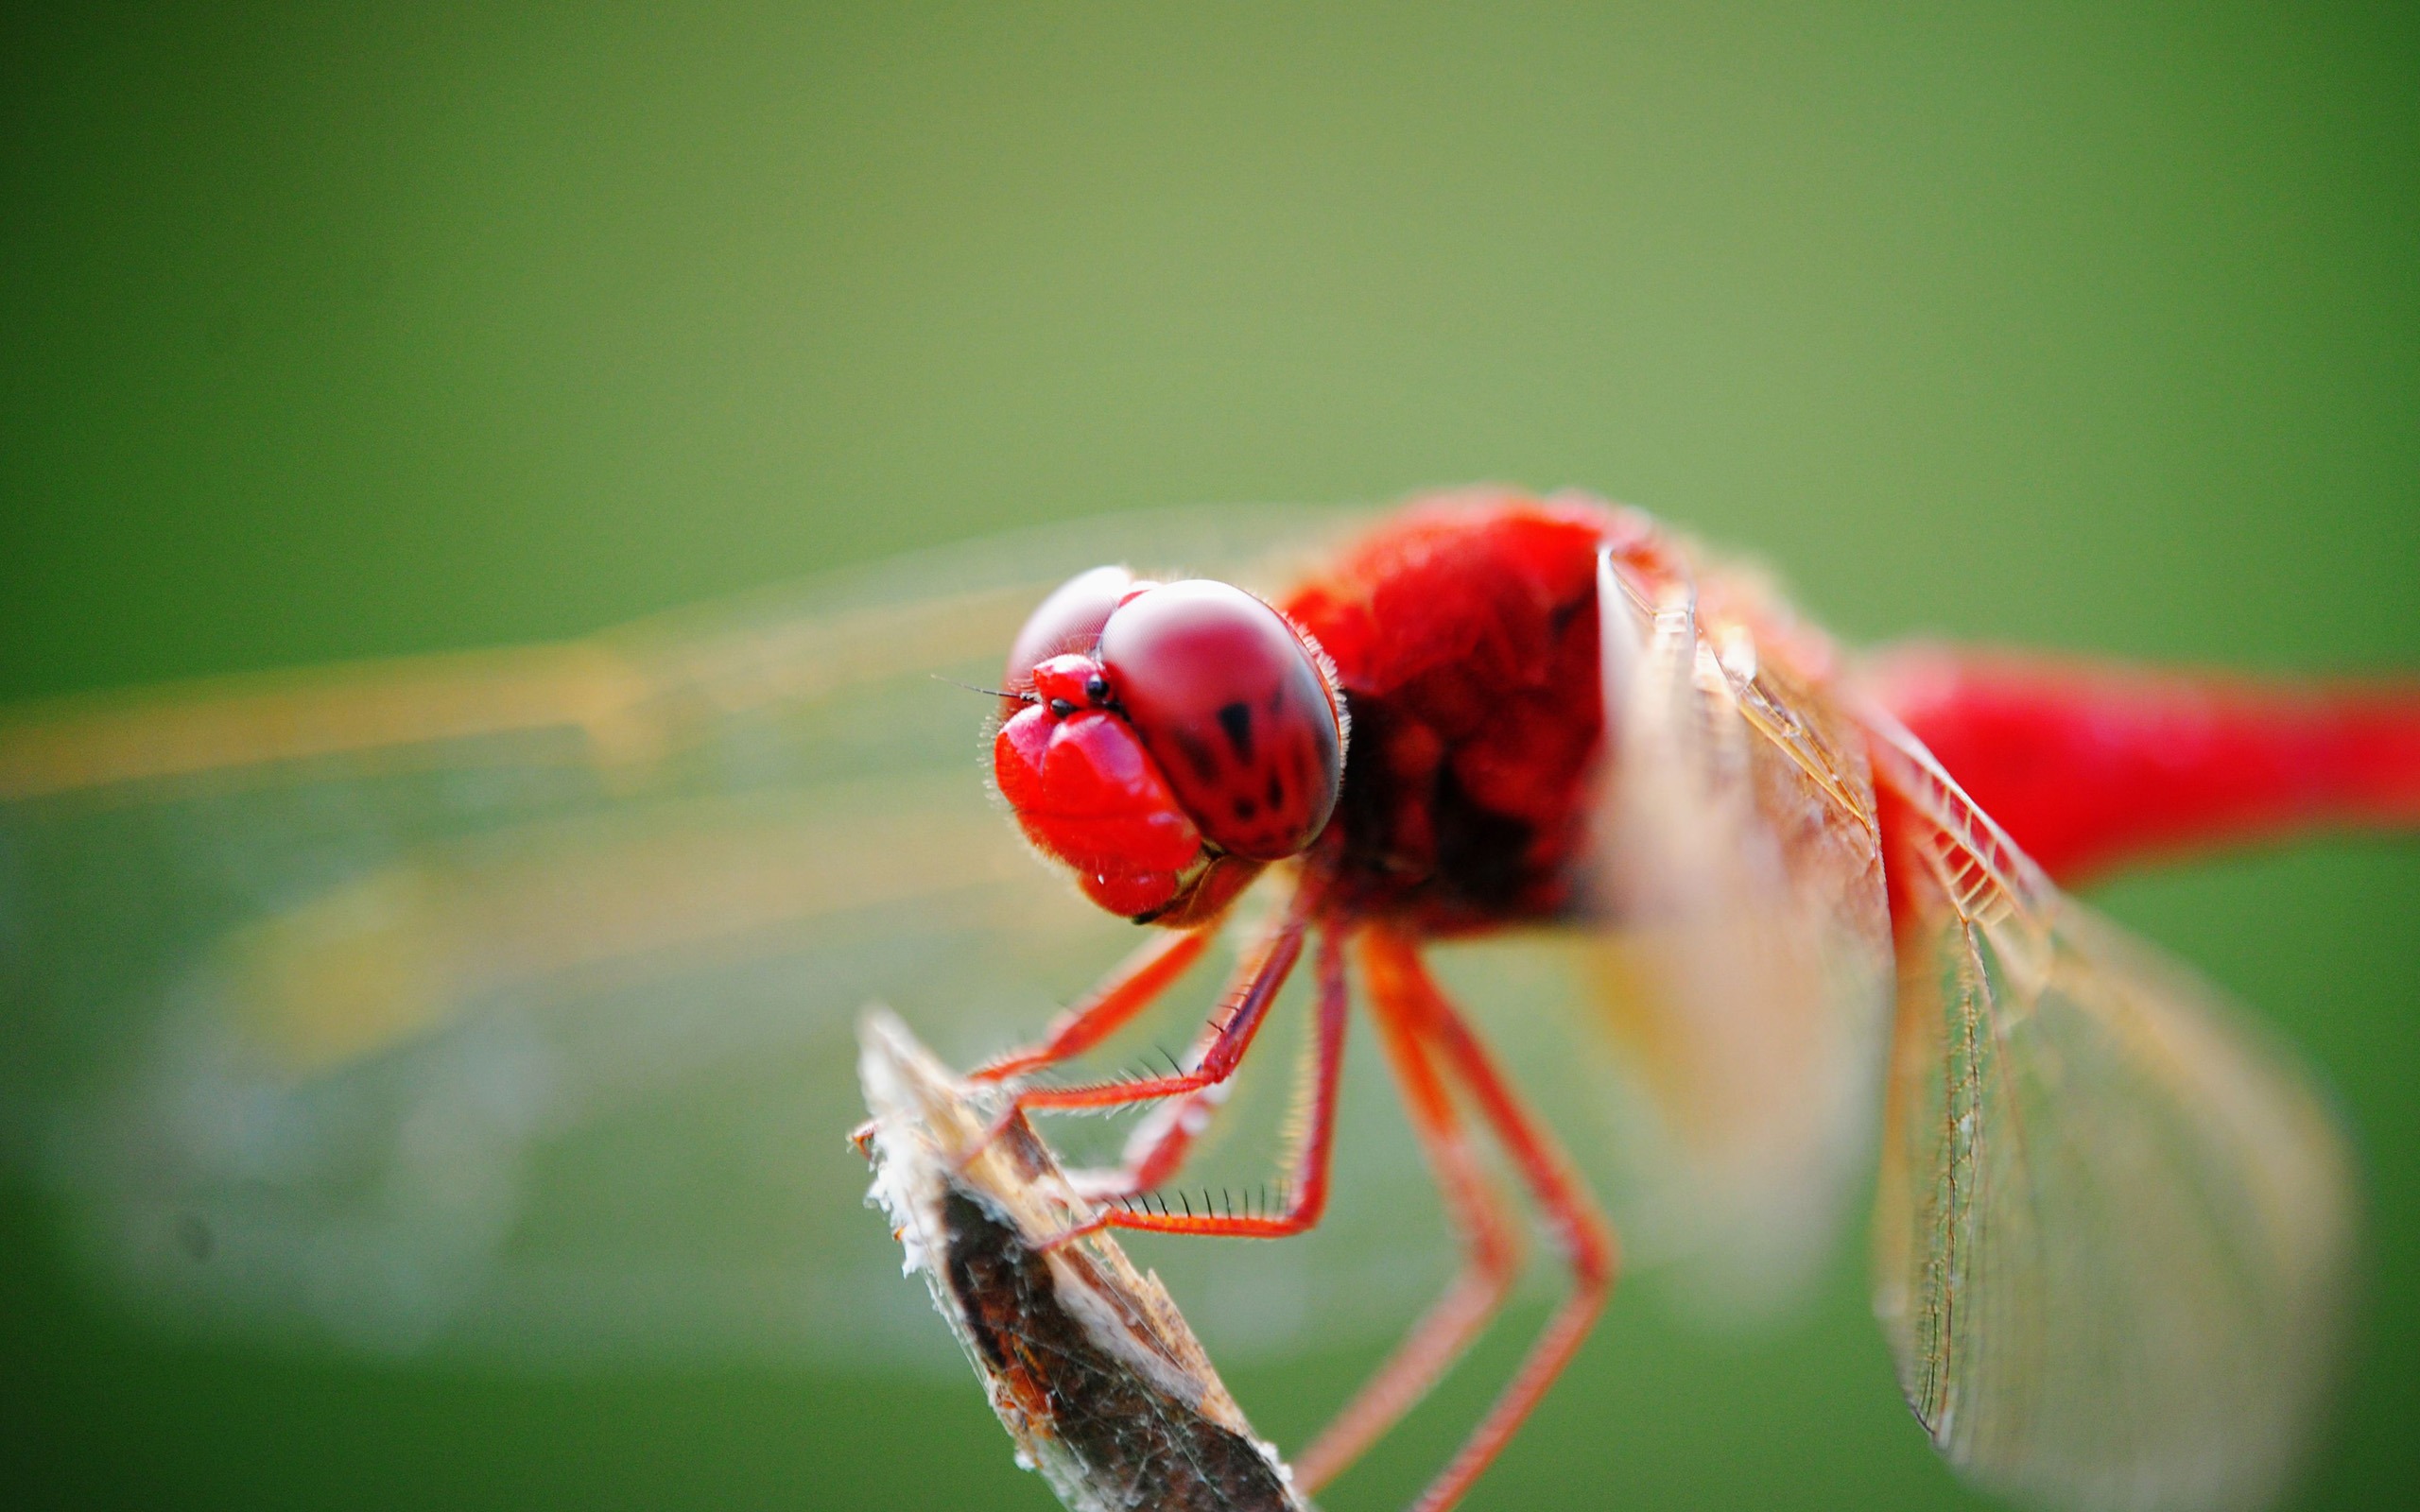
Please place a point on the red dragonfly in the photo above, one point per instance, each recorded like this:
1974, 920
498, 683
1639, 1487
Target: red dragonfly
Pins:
481, 1004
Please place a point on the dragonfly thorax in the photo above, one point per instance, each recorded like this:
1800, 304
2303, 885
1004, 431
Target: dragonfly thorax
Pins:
1465, 635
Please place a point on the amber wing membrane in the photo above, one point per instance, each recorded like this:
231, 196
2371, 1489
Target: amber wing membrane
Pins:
2114, 1216
501, 1004
1744, 953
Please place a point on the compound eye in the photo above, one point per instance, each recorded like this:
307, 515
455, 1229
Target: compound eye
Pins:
1234, 709
1069, 621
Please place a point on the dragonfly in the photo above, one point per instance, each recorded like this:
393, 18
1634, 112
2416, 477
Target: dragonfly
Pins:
499, 1003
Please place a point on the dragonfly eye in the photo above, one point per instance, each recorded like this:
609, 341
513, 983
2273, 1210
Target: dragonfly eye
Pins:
1235, 710
1066, 623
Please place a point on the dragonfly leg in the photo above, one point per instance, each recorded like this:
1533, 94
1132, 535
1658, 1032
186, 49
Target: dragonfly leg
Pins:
1158, 1150
1305, 1200
1231, 1033
1132, 987
1164, 1138
1491, 1262
1400, 984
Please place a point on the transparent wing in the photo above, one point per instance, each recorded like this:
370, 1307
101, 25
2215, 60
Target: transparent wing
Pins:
503, 1003
2115, 1217
1744, 961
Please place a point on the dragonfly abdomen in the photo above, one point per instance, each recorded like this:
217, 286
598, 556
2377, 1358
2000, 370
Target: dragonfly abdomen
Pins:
2089, 766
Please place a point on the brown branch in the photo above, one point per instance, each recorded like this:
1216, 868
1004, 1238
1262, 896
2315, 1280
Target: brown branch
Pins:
1093, 1372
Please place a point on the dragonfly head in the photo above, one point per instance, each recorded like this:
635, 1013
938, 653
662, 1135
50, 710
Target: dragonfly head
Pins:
1166, 741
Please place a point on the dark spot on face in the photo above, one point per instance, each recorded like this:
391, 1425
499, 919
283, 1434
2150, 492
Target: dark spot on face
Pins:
1198, 755
1245, 809
1276, 790
1236, 719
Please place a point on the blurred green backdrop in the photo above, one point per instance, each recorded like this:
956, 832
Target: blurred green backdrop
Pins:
337, 332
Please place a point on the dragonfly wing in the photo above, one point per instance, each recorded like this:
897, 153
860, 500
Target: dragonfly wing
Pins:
504, 1003
2114, 1215
1744, 970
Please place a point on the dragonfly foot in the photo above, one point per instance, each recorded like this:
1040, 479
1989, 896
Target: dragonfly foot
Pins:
1093, 1224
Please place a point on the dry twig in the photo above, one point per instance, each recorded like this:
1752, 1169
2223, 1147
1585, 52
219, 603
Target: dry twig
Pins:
1095, 1376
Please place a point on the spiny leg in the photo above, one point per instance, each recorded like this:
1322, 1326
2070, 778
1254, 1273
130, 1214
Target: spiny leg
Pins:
1306, 1198
1491, 1262
1164, 1138
1230, 1035
1221, 1048
1133, 986
1130, 986
1158, 1148
1401, 984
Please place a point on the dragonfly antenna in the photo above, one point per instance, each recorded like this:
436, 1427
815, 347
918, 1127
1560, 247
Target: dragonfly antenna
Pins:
997, 693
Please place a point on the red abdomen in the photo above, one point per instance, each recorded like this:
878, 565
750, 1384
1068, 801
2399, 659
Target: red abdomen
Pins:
2088, 766
1464, 636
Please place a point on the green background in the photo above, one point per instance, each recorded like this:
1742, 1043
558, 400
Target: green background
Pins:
340, 331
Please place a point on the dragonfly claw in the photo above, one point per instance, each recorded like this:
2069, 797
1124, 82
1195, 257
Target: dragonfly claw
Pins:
1094, 1224
1000, 1124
